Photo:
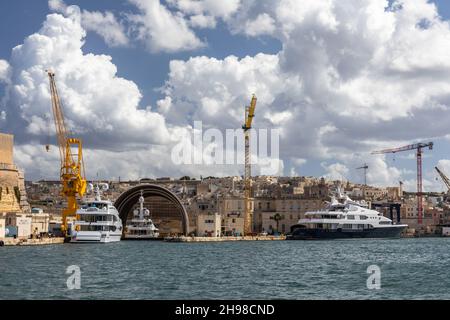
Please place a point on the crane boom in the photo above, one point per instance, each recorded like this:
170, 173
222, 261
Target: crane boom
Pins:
249, 114
418, 147
444, 178
58, 116
406, 148
71, 156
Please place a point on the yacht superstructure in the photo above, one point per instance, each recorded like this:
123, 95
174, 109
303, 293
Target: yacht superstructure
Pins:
97, 221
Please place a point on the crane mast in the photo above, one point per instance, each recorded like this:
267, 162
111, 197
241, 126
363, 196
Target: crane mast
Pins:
72, 173
249, 114
419, 151
365, 167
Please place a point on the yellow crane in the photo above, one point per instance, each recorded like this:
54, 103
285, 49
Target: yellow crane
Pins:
71, 155
248, 216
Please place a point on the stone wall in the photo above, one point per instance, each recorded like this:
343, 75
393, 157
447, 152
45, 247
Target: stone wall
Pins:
8, 201
13, 196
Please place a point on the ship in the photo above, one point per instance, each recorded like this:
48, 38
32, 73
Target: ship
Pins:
141, 226
98, 221
344, 218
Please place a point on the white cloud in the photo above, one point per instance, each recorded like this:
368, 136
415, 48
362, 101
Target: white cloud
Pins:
263, 24
230, 83
104, 24
335, 171
202, 21
99, 106
162, 30
4, 71
350, 78
205, 13
299, 161
57, 5
214, 8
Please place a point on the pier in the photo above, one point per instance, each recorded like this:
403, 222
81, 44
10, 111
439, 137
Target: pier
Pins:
32, 242
224, 239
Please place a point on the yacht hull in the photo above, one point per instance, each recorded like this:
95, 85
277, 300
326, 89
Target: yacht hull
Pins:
129, 237
95, 237
316, 234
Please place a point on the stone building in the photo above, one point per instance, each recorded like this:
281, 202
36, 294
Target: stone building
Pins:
209, 225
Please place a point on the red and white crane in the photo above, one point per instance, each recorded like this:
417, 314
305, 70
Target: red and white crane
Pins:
419, 149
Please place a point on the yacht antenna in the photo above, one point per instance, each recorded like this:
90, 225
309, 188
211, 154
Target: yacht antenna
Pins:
141, 205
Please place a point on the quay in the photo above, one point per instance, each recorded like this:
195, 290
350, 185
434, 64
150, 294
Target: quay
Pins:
224, 239
31, 242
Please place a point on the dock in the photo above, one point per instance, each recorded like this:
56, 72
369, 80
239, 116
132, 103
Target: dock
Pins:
224, 239
32, 242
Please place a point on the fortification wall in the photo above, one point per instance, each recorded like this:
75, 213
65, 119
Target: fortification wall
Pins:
13, 195
6, 148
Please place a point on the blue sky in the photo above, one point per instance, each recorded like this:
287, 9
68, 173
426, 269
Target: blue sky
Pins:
150, 71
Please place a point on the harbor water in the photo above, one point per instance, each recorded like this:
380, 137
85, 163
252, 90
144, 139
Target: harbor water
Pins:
416, 268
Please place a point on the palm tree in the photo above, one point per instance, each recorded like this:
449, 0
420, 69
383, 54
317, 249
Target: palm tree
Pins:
277, 217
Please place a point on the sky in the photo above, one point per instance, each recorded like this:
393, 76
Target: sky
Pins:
338, 79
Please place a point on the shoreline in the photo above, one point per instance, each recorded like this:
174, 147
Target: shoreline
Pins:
224, 239
31, 242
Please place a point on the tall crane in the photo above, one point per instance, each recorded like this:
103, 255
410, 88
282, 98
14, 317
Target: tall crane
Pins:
248, 216
444, 178
364, 167
419, 150
71, 155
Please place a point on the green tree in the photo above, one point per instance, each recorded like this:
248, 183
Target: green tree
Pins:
277, 217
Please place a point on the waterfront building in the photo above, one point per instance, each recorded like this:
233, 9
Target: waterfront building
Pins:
40, 221
232, 210
290, 197
18, 225
233, 224
209, 225
372, 193
394, 193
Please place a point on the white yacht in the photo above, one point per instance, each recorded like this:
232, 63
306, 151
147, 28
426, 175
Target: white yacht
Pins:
345, 218
141, 225
97, 221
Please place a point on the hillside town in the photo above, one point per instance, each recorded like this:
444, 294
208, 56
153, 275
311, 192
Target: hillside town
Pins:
214, 205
